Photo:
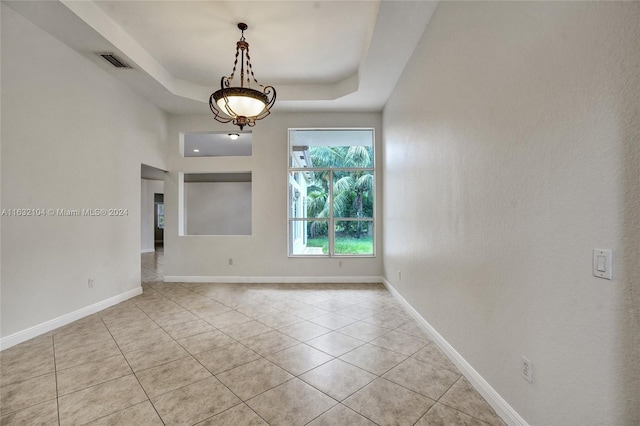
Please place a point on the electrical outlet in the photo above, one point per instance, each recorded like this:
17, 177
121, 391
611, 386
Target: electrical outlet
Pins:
526, 370
90, 283
399, 276
231, 262
340, 264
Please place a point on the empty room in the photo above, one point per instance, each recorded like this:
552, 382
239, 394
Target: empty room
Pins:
320, 213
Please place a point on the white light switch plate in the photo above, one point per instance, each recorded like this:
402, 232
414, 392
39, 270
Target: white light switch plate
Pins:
602, 262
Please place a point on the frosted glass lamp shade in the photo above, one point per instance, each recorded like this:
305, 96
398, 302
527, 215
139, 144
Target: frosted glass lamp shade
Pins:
240, 102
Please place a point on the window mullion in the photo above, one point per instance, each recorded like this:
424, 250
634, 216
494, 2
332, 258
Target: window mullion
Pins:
313, 155
331, 225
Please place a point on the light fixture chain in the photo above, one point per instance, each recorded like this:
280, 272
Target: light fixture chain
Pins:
250, 69
235, 64
242, 106
242, 69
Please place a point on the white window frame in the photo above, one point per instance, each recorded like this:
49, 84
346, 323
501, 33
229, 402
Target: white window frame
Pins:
330, 220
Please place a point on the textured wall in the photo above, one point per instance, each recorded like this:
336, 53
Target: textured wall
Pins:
73, 137
218, 208
264, 252
511, 150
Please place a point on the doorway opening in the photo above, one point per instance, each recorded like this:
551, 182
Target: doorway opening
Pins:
158, 221
152, 223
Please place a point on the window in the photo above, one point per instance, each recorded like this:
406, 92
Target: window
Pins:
331, 192
160, 215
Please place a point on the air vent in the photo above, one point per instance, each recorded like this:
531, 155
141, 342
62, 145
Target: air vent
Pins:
114, 60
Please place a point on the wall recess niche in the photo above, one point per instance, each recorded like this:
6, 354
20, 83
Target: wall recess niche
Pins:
215, 203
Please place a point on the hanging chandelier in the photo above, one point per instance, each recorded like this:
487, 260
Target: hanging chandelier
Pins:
242, 105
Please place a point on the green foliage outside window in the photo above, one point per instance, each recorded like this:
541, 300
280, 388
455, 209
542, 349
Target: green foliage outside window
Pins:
352, 189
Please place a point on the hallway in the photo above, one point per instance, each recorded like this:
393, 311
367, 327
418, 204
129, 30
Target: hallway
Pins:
153, 266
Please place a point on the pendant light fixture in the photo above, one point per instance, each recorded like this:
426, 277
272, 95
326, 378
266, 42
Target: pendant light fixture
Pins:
242, 105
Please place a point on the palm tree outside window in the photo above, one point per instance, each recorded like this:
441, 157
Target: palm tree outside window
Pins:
332, 171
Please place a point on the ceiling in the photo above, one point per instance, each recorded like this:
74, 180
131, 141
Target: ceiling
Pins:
319, 55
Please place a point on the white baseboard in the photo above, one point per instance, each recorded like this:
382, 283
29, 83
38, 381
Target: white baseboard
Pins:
148, 251
502, 408
36, 330
271, 279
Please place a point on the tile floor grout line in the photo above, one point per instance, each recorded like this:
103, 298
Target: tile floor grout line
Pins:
466, 414
362, 387
424, 414
126, 408
454, 408
134, 375
216, 375
457, 409
273, 387
55, 371
180, 387
339, 401
255, 412
221, 412
300, 343
88, 362
176, 341
409, 389
159, 299
28, 378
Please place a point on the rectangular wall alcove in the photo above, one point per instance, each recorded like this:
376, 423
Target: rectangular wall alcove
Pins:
215, 203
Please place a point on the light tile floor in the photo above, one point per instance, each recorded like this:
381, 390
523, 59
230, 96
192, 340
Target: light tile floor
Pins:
239, 354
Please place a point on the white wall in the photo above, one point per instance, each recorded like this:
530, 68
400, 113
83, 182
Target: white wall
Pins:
147, 213
511, 150
264, 252
73, 137
218, 208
